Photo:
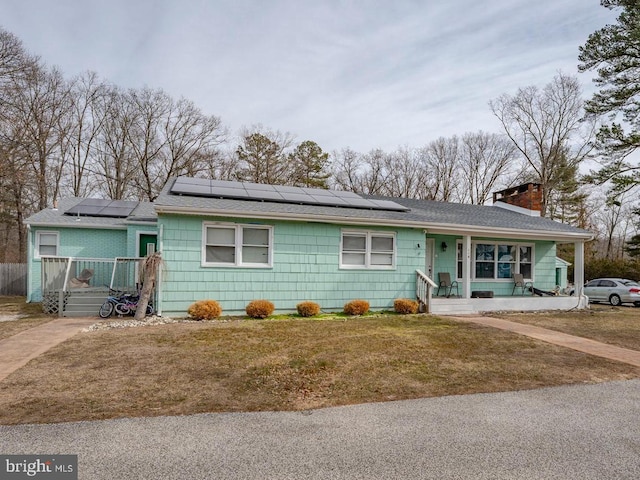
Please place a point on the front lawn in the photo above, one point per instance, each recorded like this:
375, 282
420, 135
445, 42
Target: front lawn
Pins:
614, 325
283, 364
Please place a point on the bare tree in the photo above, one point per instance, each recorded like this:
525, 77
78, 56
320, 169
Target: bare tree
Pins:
441, 158
152, 108
546, 126
346, 166
406, 176
88, 96
614, 220
38, 110
16, 63
487, 161
192, 142
115, 165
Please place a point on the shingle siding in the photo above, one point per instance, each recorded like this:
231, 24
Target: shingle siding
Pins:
306, 266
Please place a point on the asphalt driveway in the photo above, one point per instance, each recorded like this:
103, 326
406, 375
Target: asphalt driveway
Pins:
581, 432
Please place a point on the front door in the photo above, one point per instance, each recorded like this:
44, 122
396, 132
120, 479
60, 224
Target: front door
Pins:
148, 243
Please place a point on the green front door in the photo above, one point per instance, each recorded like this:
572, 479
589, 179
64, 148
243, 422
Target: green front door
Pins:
148, 244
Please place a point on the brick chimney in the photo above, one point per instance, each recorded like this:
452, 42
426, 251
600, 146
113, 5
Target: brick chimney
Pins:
528, 195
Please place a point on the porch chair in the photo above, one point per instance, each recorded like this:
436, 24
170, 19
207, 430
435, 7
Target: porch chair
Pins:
82, 280
519, 282
444, 281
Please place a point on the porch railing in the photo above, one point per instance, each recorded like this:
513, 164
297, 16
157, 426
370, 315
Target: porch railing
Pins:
424, 289
63, 275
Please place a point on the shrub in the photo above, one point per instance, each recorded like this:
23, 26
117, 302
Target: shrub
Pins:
404, 305
260, 308
356, 307
308, 309
205, 310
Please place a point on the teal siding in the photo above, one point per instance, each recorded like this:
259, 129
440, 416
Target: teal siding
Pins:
76, 242
305, 267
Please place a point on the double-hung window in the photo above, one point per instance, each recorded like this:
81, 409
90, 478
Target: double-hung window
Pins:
46, 243
502, 260
365, 249
237, 245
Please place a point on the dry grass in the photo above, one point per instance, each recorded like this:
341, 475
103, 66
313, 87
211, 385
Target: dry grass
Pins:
614, 325
283, 364
28, 314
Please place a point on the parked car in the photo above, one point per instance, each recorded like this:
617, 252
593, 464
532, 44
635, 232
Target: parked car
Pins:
613, 290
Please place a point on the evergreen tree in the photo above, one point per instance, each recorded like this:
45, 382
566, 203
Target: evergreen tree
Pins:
613, 52
309, 164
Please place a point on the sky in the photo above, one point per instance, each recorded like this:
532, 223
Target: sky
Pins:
357, 74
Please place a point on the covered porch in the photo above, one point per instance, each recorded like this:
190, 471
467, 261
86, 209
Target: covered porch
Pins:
455, 304
474, 291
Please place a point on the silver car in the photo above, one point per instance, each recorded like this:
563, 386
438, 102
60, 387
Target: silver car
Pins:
613, 290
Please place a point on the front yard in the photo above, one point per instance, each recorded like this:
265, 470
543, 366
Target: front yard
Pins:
618, 326
294, 364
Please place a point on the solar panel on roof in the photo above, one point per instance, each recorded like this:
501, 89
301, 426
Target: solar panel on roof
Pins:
266, 195
277, 193
102, 207
225, 192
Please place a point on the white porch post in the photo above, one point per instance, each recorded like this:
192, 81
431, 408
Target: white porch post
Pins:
578, 269
466, 266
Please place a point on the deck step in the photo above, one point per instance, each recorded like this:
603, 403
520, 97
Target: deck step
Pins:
84, 303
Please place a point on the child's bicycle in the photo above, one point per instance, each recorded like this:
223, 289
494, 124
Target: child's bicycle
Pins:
122, 304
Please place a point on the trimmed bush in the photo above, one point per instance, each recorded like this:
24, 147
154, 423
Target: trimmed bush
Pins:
405, 306
356, 307
205, 310
260, 308
308, 309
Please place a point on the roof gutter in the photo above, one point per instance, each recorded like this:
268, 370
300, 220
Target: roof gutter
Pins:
75, 225
441, 228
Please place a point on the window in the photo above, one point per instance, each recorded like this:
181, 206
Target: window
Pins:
500, 261
46, 243
237, 246
460, 259
526, 261
485, 260
373, 250
506, 261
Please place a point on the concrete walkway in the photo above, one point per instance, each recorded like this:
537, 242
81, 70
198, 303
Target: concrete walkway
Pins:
16, 351
580, 344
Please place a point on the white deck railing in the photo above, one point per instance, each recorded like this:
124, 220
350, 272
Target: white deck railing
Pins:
424, 289
71, 273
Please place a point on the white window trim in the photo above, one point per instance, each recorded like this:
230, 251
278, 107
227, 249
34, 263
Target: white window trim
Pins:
495, 261
238, 245
368, 234
36, 248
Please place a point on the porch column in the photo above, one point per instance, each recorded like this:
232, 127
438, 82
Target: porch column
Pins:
578, 268
466, 266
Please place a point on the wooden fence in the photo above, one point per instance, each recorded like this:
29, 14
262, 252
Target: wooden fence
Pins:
13, 278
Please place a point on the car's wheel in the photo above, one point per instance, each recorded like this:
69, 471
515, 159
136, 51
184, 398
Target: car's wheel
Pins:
106, 310
615, 300
149, 309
